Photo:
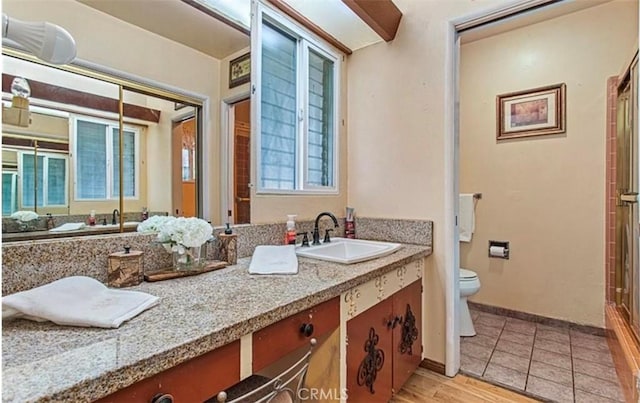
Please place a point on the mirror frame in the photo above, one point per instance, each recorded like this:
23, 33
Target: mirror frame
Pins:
129, 82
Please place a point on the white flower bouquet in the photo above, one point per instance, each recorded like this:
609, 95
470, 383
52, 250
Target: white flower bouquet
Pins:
182, 236
25, 216
26, 220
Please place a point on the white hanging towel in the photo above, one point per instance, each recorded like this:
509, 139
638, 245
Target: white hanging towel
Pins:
77, 301
466, 217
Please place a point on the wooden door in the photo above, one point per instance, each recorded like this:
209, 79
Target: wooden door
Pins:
370, 355
407, 333
183, 168
241, 173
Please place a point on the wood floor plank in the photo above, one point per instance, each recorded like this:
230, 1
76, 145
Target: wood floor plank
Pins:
428, 386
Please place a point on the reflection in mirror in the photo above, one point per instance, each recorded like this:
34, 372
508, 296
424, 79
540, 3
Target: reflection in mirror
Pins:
39, 172
64, 164
165, 157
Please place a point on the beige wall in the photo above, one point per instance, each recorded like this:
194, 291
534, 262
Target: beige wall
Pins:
396, 135
543, 194
107, 41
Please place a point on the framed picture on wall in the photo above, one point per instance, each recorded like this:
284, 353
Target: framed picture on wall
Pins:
534, 112
240, 70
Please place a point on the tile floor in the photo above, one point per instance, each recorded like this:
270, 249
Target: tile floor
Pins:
549, 362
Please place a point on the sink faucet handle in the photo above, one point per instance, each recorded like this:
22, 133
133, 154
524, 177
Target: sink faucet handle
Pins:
305, 238
326, 235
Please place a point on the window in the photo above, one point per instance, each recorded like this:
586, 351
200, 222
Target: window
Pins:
97, 145
51, 173
9, 192
297, 102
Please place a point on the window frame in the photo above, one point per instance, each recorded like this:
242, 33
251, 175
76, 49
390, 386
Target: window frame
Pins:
15, 192
45, 181
111, 125
306, 41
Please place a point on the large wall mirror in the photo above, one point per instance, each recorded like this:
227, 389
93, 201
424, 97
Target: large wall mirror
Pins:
93, 156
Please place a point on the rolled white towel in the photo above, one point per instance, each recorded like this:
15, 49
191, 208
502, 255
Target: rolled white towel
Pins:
77, 301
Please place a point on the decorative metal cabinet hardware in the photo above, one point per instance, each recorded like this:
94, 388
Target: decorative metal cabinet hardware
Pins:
409, 332
372, 362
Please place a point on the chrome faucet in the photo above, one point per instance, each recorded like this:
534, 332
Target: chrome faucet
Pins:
113, 216
316, 232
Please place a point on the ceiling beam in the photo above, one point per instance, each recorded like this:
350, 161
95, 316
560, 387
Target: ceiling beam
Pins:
54, 93
381, 15
305, 22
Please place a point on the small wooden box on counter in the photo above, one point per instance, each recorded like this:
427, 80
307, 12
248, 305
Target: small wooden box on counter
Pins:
125, 268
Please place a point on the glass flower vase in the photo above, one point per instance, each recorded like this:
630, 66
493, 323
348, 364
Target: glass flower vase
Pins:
185, 258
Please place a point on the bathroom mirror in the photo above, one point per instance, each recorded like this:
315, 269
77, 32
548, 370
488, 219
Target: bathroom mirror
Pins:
63, 163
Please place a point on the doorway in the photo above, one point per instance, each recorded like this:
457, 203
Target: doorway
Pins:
240, 162
183, 163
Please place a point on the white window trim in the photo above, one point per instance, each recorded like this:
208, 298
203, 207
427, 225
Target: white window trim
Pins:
45, 182
308, 40
110, 156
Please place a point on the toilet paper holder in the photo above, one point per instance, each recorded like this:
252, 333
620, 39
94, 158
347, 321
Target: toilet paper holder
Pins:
499, 249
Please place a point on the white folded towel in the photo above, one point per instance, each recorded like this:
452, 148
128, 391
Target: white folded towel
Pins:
466, 217
77, 301
70, 226
274, 260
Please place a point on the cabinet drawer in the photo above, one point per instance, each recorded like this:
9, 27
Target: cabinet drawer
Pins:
277, 340
195, 380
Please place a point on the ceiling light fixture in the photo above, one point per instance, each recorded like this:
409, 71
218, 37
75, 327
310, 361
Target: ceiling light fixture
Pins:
47, 41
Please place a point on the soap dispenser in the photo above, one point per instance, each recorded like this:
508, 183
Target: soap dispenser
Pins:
290, 236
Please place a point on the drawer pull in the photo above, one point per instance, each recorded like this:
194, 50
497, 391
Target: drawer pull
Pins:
162, 398
306, 329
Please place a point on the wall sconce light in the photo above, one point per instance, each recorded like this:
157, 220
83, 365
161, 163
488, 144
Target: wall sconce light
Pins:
18, 113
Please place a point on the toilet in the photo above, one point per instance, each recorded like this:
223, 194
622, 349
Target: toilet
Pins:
469, 285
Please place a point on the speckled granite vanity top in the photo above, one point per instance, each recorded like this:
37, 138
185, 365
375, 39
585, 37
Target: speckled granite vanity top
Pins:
195, 315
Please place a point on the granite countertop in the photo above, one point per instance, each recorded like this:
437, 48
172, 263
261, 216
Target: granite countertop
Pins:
45, 234
43, 361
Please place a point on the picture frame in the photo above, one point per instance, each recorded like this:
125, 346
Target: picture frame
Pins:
240, 70
534, 112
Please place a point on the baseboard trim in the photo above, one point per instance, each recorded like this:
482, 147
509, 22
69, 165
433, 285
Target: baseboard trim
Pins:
597, 331
434, 366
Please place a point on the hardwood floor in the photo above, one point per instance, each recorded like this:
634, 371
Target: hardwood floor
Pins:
428, 386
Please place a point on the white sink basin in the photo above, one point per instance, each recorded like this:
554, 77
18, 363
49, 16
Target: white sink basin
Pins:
344, 250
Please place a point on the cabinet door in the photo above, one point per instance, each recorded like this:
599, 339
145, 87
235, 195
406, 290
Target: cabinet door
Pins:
407, 333
370, 355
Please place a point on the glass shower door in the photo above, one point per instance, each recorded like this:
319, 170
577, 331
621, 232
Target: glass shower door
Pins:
628, 217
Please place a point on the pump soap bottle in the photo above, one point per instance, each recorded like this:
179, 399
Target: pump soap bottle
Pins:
290, 236
92, 218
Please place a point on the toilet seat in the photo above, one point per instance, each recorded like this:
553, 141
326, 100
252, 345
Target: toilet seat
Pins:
467, 275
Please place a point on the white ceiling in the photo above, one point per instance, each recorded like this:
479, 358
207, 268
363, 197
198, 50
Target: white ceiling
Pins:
528, 18
178, 21
338, 20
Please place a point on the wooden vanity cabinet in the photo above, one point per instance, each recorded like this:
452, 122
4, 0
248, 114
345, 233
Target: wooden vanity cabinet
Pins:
384, 345
193, 381
279, 339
